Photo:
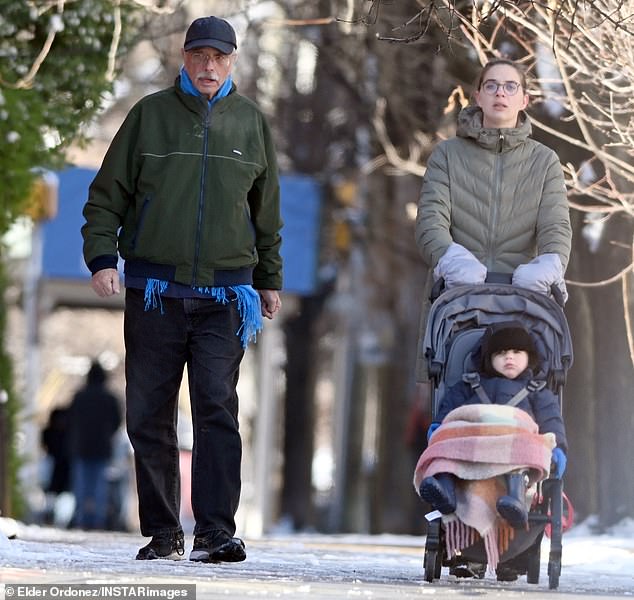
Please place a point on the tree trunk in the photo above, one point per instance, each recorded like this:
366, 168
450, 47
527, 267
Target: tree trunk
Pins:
580, 406
598, 406
299, 425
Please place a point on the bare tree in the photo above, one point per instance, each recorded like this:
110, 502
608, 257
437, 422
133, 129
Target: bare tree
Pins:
581, 58
582, 55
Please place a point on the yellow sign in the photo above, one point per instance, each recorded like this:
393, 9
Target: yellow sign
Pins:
42, 202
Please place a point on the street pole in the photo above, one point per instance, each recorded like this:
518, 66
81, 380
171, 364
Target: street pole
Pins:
28, 416
5, 498
41, 206
348, 511
267, 429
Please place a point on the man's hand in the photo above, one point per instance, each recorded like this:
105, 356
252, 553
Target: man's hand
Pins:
106, 282
271, 303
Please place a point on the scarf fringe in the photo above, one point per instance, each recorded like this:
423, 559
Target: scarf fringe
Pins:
248, 302
492, 550
249, 309
459, 536
153, 290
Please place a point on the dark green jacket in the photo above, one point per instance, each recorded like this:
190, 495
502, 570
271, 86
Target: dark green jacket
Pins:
188, 195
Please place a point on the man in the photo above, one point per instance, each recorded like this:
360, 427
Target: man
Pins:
188, 194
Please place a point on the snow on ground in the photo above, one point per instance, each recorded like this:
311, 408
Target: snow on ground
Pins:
344, 565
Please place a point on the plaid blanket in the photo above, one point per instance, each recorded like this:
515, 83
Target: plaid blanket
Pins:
478, 443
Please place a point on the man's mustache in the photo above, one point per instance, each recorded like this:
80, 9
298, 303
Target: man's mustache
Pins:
206, 75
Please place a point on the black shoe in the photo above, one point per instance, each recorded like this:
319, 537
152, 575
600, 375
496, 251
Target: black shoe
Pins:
217, 546
170, 546
512, 507
440, 492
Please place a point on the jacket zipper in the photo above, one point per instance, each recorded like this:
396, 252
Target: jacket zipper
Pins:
495, 208
201, 198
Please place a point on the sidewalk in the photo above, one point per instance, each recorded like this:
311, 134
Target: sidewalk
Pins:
295, 567
321, 567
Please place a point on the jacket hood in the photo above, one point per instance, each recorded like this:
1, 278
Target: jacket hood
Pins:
470, 126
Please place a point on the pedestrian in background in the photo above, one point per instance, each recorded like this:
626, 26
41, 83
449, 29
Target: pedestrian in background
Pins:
188, 195
94, 416
54, 439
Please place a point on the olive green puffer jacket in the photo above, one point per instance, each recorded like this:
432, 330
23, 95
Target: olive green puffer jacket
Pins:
498, 193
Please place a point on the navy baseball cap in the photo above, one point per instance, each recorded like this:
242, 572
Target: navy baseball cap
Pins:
211, 32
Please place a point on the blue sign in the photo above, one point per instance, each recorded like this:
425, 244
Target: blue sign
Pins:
301, 211
62, 256
301, 198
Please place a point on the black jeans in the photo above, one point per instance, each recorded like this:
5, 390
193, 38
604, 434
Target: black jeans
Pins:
202, 334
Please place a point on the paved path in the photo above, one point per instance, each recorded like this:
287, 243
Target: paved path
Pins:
298, 566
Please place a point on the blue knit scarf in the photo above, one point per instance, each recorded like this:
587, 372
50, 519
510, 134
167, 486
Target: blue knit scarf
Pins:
248, 300
188, 87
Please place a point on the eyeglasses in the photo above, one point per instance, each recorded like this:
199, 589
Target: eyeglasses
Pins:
218, 60
491, 87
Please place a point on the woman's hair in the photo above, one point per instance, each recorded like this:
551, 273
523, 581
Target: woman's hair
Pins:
501, 61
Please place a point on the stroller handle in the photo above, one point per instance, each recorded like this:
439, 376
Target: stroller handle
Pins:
492, 277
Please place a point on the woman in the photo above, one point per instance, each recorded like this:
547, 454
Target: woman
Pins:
493, 199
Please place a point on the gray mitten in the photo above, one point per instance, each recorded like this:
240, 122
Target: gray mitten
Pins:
540, 274
457, 266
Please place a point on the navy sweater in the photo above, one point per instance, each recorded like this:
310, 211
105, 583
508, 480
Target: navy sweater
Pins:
543, 406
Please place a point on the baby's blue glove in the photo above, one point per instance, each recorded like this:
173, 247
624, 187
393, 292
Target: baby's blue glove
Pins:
431, 429
559, 463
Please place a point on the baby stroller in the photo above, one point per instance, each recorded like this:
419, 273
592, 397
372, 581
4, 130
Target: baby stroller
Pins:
456, 322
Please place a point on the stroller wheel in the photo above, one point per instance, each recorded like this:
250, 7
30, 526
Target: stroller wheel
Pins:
432, 562
554, 569
532, 565
433, 565
506, 573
